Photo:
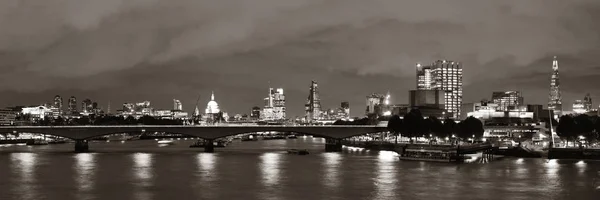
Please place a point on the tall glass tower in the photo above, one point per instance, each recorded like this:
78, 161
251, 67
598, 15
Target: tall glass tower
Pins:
445, 76
313, 103
555, 99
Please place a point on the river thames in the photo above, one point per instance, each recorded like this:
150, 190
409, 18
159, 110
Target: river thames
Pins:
143, 170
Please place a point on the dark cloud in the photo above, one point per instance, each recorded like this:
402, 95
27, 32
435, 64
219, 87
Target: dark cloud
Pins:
129, 50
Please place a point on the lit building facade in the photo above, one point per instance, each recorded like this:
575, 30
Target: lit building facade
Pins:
313, 103
555, 98
58, 103
7, 117
587, 102
445, 76
212, 107
579, 107
509, 100
36, 112
274, 108
177, 105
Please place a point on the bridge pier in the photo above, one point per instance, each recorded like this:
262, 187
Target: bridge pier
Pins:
209, 146
333, 145
81, 146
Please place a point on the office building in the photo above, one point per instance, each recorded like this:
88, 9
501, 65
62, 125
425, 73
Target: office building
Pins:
509, 100
313, 103
445, 76
72, 109
555, 98
274, 108
58, 103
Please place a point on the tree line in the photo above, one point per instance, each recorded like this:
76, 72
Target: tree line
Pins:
571, 128
413, 125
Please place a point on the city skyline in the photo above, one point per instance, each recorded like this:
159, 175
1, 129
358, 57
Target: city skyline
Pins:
370, 51
420, 79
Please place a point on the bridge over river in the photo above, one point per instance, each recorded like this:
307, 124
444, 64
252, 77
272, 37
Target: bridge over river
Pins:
81, 134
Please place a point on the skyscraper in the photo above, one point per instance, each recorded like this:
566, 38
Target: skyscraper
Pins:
509, 100
58, 102
446, 76
72, 105
555, 99
177, 105
274, 105
313, 103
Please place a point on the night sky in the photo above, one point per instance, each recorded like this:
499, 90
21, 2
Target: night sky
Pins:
134, 50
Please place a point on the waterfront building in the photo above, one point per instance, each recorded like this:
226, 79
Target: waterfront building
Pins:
137, 109
7, 116
429, 102
72, 105
490, 111
177, 105
313, 103
555, 98
445, 76
274, 108
36, 112
509, 100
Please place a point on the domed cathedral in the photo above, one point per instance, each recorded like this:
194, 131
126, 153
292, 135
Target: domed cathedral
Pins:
212, 113
212, 107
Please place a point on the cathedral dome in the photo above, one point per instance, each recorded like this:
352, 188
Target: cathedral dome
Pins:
212, 107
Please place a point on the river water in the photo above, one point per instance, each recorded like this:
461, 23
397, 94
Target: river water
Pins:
143, 170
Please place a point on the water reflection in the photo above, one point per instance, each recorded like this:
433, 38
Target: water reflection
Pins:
552, 180
143, 175
85, 167
331, 177
24, 164
206, 168
386, 175
270, 170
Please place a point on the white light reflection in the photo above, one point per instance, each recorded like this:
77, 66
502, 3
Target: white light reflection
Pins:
331, 177
581, 165
386, 175
143, 175
25, 164
206, 164
270, 168
85, 167
206, 169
